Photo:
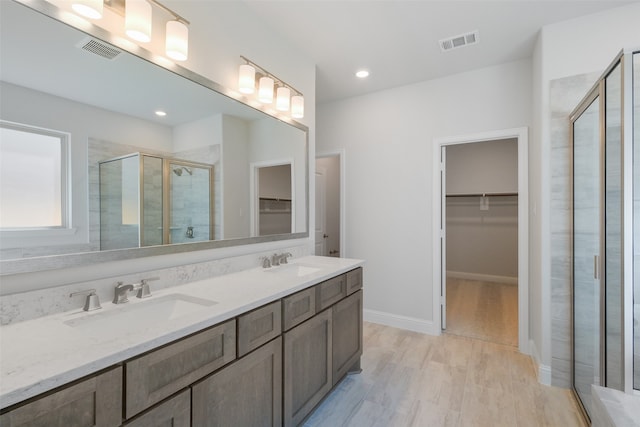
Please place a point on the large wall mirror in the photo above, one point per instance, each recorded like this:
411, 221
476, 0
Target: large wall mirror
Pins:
90, 172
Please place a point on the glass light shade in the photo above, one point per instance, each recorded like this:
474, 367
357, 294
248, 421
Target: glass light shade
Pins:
137, 20
297, 106
89, 8
177, 41
265, 91
283, 94
247, 79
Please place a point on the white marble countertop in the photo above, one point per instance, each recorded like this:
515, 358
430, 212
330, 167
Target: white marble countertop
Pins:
41, 354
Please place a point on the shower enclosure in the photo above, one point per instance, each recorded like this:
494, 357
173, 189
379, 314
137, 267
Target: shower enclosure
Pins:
148, 200
606, 229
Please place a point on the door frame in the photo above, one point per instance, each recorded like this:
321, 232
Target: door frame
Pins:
254, 192
439, 225
342, 158
323, 219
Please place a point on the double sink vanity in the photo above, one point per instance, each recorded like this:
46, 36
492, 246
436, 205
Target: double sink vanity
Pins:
261, 347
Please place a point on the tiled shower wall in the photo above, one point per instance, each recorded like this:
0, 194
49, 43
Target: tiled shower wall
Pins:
564, 95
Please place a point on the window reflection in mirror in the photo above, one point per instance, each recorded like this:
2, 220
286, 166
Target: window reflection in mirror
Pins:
33, 168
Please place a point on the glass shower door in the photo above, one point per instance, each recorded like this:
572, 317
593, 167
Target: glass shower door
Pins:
586, 251
190, 198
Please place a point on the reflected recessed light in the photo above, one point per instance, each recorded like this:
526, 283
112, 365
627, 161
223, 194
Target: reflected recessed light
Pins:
362, 74
161, 113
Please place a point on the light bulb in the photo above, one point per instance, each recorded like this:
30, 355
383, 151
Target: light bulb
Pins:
91, 9
265, 90
137, 20
247, 79
283, 95
177, 41
297, 106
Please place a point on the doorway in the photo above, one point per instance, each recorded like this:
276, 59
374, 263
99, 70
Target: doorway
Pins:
481, 218
271, 206
329, 230
483, 202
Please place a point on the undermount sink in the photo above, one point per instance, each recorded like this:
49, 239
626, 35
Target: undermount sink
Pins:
136, 314
296, 270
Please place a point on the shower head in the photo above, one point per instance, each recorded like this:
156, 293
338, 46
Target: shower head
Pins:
178, 171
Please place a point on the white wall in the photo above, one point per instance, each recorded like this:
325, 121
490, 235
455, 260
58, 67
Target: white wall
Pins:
219, 33
388, 137
578, 46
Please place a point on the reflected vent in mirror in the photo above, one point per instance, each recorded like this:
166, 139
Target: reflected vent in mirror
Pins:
459, 41
99, 48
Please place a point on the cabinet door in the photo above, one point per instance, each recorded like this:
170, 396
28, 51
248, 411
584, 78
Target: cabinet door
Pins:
298, 307
354, 280
247, 393
307, 367
96, 401
347, 334
159, 374
258, 327
175, 412
330, 292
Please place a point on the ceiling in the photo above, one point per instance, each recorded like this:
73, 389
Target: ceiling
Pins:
397, 40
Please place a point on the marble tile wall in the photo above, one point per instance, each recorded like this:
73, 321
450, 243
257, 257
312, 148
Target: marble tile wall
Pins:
30, 305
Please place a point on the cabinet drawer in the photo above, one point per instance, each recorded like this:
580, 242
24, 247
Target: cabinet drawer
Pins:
299, 307
175, 412
159, 374
259, 327
330, 292
96, 401
354, 280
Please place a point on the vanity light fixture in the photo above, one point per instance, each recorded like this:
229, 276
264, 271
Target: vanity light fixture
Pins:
138, 22
91, 9
250, 71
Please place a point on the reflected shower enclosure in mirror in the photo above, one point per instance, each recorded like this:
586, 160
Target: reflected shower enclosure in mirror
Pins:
193, 188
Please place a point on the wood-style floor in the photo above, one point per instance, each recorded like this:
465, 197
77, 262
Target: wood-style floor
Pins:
483, 310
411, 379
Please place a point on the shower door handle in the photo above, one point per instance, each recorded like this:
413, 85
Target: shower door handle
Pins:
596, 270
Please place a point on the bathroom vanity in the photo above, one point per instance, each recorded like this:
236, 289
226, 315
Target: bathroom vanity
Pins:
259, 347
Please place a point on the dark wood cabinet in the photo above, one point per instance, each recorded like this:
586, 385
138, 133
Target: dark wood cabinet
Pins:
174, 412
307, 367
330, 292
163, 372
298, 307
95, 401
347, 335
247, 393
258, 327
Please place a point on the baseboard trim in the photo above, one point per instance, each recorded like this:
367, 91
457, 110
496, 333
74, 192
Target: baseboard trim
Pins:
544, 371
402, 322
482, 277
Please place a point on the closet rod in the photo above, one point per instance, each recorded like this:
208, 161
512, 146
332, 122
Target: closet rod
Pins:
483, 195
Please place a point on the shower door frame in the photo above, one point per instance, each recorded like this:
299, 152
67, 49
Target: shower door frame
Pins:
625, 60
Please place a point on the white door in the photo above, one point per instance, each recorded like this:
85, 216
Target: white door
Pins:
321, 216
443, 239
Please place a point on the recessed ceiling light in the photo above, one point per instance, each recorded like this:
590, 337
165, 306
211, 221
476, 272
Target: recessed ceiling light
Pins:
361, 74
161, 113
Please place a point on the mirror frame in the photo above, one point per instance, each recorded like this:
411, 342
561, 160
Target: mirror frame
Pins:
54, 262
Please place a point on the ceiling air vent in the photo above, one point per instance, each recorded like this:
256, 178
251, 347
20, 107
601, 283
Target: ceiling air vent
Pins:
459, 41
99, 48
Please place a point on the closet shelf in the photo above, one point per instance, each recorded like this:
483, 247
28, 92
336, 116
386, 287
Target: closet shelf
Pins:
483, 195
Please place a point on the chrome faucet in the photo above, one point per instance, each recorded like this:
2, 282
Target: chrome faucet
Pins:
91, 302
278, 259
121, 291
